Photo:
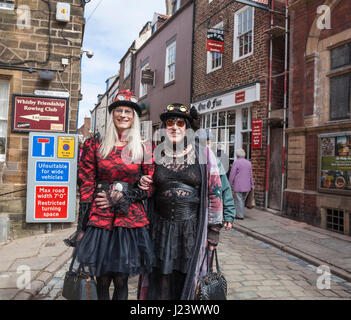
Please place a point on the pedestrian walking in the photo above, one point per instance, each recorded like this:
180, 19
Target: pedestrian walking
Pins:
227, 195
241, 181
186, 208
112, 237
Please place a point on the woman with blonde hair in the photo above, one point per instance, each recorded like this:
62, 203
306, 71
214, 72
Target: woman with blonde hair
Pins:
112, 237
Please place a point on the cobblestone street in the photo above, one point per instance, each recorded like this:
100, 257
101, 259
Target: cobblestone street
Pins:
253, 269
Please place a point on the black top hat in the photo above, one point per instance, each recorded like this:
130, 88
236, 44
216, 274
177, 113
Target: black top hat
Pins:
179, 110
125, 98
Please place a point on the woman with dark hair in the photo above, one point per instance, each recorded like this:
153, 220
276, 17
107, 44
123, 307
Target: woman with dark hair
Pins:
111, 237
186, 209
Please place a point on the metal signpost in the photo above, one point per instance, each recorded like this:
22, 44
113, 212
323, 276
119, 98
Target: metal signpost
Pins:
52, 177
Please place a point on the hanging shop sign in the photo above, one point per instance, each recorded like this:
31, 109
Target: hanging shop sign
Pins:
262, 4
335, 163
256, 142
52, 177
147, 76
39, 113
215, 40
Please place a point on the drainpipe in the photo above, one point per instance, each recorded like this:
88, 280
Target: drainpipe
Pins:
192, 53
269, 107
285, 101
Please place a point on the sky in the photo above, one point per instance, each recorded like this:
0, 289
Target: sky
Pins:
111, 27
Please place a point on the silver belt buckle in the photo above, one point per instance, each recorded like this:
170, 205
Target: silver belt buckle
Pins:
117, 186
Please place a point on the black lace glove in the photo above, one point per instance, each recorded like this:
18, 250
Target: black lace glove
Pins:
83, 218
212, 237
121, 201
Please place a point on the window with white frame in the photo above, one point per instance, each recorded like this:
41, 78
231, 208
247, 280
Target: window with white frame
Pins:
175, 6
170, 62
230, 131
4, 105
243, 32
214, 59
127, 66
143, 86
7, 4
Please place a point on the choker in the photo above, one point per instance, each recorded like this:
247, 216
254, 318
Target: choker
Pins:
172, 154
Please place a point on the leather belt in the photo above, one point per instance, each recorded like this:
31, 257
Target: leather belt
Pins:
116, 185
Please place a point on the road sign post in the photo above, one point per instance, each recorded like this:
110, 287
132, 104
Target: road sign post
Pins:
52, 177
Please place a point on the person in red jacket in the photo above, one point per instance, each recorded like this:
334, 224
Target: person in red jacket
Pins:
112, 239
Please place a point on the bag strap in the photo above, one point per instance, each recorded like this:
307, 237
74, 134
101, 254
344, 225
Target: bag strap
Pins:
214, 253
208, 261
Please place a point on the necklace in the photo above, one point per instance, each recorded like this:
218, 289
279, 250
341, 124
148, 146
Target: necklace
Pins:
172, 154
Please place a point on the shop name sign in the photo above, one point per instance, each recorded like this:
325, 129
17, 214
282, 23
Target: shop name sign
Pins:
34, 113
262, 4
209, 105
215, 40
229, 99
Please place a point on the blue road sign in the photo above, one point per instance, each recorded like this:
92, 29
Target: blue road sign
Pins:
43, 147
52, 171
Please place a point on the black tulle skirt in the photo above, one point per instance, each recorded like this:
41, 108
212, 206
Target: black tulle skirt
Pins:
125, 250
173, 243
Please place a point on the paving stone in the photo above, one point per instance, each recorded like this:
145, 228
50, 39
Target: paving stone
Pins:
7, 294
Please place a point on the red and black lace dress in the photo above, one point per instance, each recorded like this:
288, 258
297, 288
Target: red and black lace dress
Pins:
115, 239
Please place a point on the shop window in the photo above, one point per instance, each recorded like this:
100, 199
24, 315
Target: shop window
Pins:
4, 105
340, 84
170, 62
243, 33
7, 4
335, 220
127, 66
214, 59
335, 163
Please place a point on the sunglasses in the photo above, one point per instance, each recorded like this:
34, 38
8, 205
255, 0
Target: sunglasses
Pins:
171, 107
179, 122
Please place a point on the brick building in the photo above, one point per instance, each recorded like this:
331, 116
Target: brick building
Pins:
85, 130
319, 134
231, 89
167, 55
38, 54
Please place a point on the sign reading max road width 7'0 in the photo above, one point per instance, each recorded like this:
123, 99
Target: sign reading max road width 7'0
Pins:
52, 177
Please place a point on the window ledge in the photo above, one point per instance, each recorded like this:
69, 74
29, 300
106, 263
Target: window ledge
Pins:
143, 97
237, 59
339, 71
169, 83
213, 70
341, 121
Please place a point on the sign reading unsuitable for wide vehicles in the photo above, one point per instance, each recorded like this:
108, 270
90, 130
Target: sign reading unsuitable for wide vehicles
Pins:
52, 177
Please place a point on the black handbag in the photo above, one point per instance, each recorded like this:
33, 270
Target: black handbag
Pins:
212, 286
79, 285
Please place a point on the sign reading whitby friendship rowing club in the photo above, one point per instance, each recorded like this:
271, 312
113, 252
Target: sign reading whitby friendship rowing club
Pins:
37, 113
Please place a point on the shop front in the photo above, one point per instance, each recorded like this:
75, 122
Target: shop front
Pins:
229, 118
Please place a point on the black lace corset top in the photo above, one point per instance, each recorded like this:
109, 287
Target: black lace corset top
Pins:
183, 169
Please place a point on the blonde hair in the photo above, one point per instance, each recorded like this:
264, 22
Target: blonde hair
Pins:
134, 139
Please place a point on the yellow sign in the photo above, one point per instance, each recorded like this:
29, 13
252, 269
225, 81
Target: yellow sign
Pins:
65, 147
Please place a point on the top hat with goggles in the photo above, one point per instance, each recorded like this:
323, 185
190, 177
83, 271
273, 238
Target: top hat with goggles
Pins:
176, 110
126, 99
